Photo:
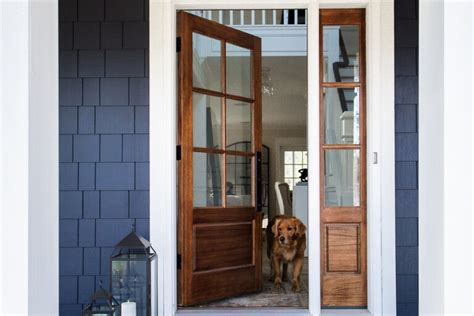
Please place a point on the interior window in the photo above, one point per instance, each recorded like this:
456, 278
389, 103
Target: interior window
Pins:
294, 160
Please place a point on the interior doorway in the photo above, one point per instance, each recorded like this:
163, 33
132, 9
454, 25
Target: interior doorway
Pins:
234, 152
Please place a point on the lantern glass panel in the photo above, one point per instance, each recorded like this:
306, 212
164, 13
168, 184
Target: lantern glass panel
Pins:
101, 310
130, 280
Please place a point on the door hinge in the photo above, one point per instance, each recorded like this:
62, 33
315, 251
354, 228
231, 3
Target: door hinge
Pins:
178, 44
178, 152
178, 262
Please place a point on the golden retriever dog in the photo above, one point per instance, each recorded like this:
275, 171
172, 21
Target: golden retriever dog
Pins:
286, 243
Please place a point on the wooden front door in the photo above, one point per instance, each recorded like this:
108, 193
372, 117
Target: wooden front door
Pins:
219, 190
343, 158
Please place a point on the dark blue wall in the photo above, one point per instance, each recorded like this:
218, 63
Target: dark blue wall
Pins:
406, 154
104, 170
103, 126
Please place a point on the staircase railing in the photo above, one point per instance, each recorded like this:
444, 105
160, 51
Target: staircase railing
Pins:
261, 17
337, 71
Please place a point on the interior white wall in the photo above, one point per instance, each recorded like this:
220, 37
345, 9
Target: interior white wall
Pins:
29, 158
445, 169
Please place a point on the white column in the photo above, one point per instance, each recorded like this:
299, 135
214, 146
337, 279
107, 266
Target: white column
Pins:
445, 160
163, 129
313, 158
29, 157
458, 141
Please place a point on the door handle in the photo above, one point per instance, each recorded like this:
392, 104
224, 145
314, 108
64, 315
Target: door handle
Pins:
259, 181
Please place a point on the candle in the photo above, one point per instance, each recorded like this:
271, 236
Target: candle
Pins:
129, 309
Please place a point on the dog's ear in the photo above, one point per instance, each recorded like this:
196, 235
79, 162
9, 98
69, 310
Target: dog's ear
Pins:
275, 227
300, 227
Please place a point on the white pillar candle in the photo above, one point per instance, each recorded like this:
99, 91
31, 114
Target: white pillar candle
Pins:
129, 309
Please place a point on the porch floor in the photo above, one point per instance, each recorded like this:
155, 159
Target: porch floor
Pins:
270, 296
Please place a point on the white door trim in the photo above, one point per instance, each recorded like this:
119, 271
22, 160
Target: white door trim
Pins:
29, 158
380, 139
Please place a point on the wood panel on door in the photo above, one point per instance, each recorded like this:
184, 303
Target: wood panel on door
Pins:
343, 158
219, 233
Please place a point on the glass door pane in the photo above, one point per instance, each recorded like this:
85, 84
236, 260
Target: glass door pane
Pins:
206, 62
207, 179
239, 122
341, 53
238, 75
341, 116
239, 180
207, 126
342, 177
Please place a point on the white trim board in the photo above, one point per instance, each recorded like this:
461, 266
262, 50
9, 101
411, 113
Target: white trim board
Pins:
446, 239
380, 103
29, 133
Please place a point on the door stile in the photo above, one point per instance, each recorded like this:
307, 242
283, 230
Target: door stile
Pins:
363, 151
186, 166
257, 140
224, 117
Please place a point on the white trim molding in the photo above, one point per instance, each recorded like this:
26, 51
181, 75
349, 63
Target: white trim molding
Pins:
380, 140
29, 220
381, 176
446, 240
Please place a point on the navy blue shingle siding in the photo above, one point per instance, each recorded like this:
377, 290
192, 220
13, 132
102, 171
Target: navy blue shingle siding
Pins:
103, 148
406, 155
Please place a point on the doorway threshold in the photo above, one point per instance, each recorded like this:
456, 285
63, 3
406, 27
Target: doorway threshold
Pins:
244, 311
268, 311
347, 312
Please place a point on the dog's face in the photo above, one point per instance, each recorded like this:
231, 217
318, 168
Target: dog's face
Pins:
287, 230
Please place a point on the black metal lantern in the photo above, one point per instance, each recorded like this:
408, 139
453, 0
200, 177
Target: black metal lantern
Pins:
102, 303
133, 273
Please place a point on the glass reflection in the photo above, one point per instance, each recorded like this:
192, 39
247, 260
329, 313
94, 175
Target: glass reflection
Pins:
341, 53
341, 116
206, 56
239, 122
207, 179
342, 177
239, 181
129, 280
238, 70
206, 121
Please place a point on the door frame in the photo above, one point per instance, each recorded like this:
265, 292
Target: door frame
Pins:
380, 140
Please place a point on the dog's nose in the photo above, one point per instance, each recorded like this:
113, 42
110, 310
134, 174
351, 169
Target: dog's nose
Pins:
282, 238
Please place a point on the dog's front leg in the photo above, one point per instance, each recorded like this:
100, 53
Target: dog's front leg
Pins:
298, 265
276, 271
284, 276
